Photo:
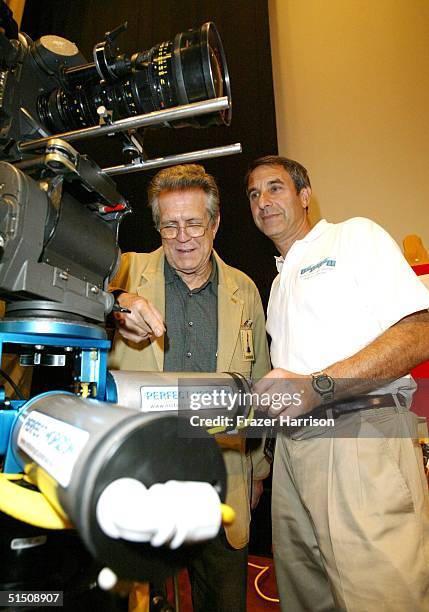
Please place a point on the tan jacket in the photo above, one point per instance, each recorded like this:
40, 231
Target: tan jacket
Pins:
238, 301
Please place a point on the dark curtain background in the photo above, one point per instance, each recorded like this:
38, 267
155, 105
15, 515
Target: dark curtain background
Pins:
243, 27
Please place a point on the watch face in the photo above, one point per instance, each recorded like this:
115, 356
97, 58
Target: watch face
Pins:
324, 383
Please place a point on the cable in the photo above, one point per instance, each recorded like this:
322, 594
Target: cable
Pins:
264, 568
12, 384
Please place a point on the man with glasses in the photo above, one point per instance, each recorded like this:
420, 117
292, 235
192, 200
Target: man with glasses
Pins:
188, 309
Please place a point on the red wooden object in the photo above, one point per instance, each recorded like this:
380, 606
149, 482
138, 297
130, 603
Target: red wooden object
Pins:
420, 403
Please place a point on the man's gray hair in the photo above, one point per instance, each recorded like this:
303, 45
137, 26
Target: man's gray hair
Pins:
183, 178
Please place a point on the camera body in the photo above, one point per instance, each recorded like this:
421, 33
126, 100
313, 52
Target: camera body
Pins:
29, 69
57, 248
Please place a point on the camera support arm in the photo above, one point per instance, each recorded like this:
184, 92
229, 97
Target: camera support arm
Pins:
172, 160
140, 121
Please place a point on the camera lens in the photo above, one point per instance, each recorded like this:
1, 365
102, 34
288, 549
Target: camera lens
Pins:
190, 68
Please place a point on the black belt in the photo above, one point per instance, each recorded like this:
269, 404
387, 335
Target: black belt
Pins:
361, 402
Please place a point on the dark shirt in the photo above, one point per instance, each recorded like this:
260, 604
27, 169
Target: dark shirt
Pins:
190, 343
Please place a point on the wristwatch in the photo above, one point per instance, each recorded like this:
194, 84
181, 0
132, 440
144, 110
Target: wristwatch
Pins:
324, 386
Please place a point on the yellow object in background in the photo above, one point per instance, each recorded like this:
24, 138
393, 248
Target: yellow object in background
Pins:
414, 250
138, 600
228, 514
28, 505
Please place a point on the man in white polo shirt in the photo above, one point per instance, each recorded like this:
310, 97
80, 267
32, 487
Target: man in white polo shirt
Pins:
348, 320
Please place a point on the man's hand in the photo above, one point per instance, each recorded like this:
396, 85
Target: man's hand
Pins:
257, 490
286, 393
142, 322
392, 355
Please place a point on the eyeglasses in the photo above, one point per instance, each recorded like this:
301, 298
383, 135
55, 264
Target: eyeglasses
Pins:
194, 230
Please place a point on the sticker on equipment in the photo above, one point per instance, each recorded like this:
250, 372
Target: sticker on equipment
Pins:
52, 444
159, 399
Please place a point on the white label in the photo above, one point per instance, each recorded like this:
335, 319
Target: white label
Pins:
159, 399
52, 444
20, 543
188, 397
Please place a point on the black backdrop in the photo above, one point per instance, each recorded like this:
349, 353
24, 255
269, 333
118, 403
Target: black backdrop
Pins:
243, 26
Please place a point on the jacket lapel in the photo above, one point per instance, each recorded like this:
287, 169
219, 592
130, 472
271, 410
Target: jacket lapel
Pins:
230, 310
152, 287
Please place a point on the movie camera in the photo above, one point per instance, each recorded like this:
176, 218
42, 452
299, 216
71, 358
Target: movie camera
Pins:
77, 455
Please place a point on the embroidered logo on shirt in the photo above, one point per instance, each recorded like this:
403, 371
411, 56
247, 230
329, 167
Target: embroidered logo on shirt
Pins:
318, 268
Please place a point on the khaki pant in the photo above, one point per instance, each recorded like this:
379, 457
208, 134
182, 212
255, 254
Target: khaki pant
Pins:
351, 517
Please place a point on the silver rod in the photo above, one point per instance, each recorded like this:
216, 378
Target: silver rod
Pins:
154, 118
171, 160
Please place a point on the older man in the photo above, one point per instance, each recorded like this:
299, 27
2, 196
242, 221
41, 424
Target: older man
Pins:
348, 320
188, 309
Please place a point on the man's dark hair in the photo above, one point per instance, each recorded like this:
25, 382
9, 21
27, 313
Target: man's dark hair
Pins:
296, 171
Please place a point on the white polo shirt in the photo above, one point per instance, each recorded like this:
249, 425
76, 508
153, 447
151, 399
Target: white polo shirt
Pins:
337, 290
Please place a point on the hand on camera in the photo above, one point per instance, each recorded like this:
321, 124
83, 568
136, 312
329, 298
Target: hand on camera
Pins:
281, 392
144, 320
